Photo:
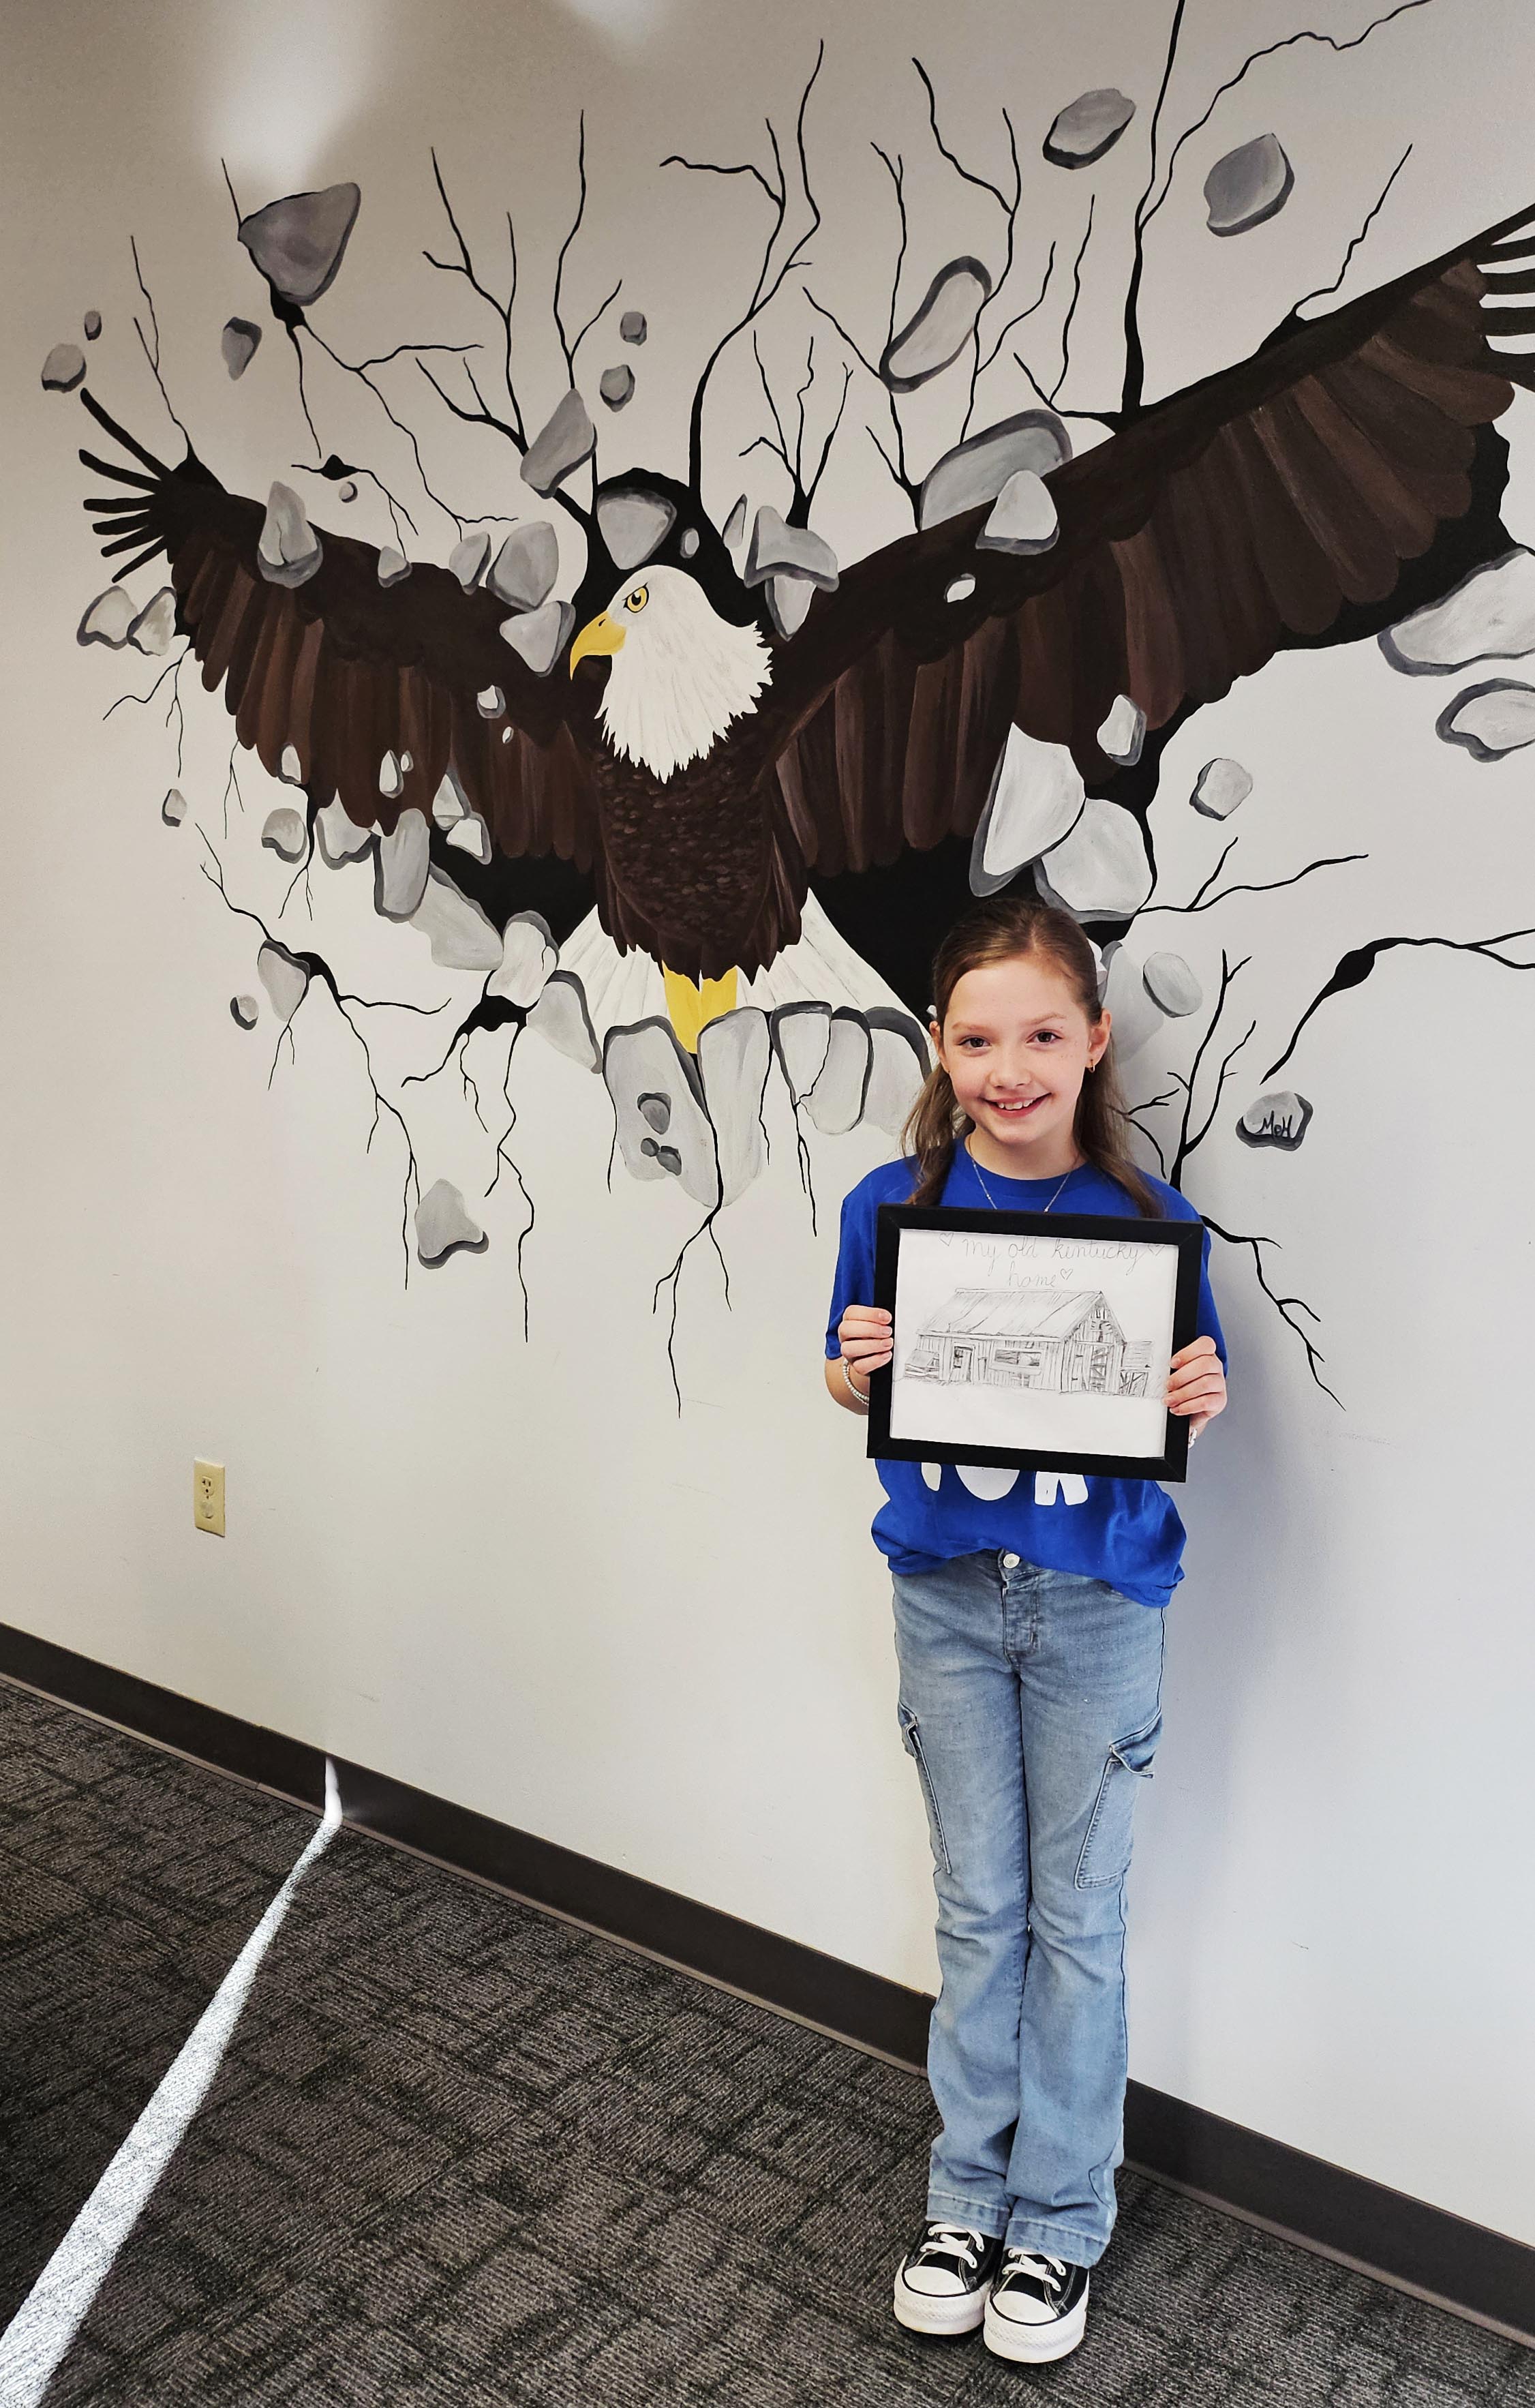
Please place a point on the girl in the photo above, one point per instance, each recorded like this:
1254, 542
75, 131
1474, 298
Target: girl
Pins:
1029, 1638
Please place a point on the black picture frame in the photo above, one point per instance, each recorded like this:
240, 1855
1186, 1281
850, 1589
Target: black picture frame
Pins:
893, 1223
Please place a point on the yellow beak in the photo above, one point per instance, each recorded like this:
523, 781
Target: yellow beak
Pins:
599, 635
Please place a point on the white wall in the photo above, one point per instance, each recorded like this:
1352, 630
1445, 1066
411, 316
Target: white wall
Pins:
510, 1573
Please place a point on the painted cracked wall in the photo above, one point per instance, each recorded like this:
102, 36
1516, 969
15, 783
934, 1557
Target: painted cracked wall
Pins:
872, 356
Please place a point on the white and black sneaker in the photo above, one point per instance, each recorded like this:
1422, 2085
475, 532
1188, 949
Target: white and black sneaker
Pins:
1036, 2307
942, 2281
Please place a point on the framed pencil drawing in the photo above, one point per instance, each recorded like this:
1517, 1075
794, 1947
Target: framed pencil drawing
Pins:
1033, 1338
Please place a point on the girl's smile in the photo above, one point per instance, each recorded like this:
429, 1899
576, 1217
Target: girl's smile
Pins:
1016, 1045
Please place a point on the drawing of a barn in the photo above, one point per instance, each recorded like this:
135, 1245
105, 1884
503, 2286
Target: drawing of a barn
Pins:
1062, 1339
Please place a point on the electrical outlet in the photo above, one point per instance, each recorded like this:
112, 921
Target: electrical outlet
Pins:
207, 1497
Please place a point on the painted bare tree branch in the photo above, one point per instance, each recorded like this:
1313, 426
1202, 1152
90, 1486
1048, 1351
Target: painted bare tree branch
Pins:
1159, 181
515, 427
769, 281
316, 968
803, 481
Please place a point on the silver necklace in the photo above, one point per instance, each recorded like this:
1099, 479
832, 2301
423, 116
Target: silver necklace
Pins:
990, 1198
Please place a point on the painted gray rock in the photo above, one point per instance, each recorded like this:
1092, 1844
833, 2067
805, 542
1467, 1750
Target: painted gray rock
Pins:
1037, 795
976, 471
299, 241
560, 1018
1490, 720
1023, 517
779, 550
1172, 985
733, 1059
1137, 1019
340, 838
471, 836
835, 1102
528, 953
898, 1067
523, 571
290, 768
244, 1011
449, 804
1279, 1118
173, 811
735, 525
468, 559
285, 979
789, 600
491, 702
285, 834
1220, 786
460, 935
942, 325
1099, 871
1087, 127
1490, 615
93, 324
616, 385
568, 440
961, 589
632, 525
540, 635
346, 490
289, 552
155, 625
1248, 185
394, 568
64, 369
108, 619
687, 542
632, 327
646, 1061
238, 344
391, 776
801, 1034
444, 1228
400, 867
1124, 732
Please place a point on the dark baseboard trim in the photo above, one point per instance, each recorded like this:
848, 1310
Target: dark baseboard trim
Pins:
1384, 2232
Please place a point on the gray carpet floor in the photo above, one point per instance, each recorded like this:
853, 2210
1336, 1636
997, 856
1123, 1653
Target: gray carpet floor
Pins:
459, 2153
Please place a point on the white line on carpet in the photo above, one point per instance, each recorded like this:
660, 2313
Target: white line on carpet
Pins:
54, 2310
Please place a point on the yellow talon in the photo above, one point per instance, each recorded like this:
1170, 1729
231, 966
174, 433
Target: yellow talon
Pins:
692, 1003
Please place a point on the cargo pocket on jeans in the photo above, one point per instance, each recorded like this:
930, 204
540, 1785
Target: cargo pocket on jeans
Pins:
912, 1742
1105, 1850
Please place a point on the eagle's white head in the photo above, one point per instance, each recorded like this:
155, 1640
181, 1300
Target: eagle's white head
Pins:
681, 674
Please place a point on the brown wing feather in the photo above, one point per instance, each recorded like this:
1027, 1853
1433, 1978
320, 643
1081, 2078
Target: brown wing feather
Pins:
1223, 522
344, 670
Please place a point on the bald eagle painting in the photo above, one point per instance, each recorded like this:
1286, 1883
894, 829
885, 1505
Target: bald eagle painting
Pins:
721, 743
698, 770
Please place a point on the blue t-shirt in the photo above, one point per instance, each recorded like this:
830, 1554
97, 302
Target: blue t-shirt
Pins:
1128, 1532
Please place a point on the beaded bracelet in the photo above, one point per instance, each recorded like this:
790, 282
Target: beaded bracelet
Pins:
855, 1393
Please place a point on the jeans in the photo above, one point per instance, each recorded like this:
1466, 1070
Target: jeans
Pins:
1030, 1700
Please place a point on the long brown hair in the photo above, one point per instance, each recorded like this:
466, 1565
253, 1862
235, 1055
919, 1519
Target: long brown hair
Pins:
1011, 928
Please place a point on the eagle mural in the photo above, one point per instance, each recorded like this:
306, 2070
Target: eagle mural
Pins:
718, 750
689, 765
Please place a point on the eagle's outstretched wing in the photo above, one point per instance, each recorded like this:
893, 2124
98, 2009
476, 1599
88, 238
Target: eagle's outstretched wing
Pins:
1269, 505
341, 671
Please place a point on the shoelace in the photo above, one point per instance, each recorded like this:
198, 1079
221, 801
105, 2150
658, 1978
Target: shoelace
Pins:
1033, 2264
951, 2240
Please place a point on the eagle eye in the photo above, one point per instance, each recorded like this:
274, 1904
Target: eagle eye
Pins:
638, 599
